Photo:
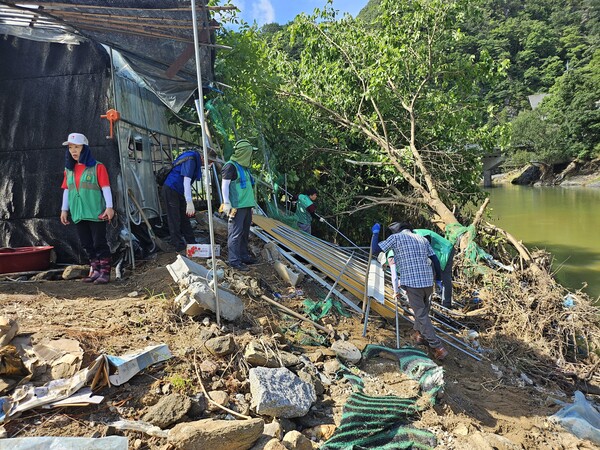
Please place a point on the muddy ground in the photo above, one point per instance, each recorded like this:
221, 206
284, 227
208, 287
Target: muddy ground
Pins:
485, 405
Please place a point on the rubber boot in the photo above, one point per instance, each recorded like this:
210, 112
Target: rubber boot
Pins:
104, 272
94, 271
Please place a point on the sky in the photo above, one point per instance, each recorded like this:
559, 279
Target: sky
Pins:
283, 11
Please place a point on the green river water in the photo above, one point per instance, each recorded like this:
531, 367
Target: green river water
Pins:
564, 221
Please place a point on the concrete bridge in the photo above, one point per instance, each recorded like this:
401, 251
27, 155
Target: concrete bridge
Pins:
490, 162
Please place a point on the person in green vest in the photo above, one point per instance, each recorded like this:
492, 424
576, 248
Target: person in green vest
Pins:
88, 197
306, 209
237, 186
444, 250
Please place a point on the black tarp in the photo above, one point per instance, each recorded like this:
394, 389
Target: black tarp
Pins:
47, 91
154, 36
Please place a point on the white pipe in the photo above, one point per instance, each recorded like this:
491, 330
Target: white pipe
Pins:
200, 111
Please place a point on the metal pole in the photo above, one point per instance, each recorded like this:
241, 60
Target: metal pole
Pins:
367, 279
338, 277
124, 161
200, 111
397, 327
339, 232
367, 316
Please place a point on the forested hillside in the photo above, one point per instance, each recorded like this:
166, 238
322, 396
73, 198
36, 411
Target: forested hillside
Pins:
548, 48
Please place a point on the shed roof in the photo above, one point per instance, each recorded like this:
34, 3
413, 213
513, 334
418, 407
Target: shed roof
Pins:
154, 36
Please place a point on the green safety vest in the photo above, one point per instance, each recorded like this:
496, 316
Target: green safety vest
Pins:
87, 202
302, 214
242, 196
441, 246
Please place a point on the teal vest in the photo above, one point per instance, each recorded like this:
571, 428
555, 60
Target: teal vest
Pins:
441, 246
301, 210
87, 202
241, 190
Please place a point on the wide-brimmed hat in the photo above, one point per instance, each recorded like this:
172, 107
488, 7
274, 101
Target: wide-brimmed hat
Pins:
77, 139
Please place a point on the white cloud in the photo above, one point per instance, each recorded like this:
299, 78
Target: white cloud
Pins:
263, 12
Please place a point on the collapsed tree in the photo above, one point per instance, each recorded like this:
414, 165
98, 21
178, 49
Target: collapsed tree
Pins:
403, 87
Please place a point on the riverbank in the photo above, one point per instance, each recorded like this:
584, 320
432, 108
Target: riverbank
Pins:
574, 174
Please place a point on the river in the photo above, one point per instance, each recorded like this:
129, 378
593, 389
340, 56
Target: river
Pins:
564, 221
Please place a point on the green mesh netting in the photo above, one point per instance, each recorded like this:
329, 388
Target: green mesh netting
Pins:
220, 117
385, 422
317, 310
287, 217
472, 251
301, 335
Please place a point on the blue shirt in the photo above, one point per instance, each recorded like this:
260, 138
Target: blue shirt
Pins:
191, 168
411, 255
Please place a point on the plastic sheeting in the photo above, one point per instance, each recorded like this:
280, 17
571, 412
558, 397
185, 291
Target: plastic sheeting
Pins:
64, 443
47, 91
580, 418
154, 37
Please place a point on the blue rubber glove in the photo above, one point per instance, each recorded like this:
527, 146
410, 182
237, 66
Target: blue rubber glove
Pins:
375, 229
439, 285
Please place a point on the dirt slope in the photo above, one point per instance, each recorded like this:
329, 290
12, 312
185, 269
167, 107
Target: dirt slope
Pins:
482, 407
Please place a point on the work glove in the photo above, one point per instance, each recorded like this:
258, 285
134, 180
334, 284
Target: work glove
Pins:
439, 285
375, 229
225, 208
321, 220
189, 209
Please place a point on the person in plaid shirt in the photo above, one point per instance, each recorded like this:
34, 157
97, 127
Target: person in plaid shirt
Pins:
415, 263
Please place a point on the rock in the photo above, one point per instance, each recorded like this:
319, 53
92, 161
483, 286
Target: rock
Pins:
461, 430
528, 177
150, 399
485, 441
75, 271
346, 351
308, 378
294, 440
199, 298
274, 430
199, 405
255, 356
221, 346
209, 367
280, 393
270, 438
168, 410
316, 356
219, 397
320, 432
274, 444
216, 434
331, 366
8, 330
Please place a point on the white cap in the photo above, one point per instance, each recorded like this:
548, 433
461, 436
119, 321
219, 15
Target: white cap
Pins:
76, 138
